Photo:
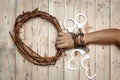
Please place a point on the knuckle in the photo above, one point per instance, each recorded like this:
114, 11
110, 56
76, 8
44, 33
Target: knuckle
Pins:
57, 38
57, 45
66, 44
59, 33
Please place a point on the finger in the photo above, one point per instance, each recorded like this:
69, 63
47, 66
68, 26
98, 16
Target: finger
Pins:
60, 46
61, 34
59, 38
65, 31
59, 42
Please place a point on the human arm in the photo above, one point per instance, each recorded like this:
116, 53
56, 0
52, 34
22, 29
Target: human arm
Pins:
107, 36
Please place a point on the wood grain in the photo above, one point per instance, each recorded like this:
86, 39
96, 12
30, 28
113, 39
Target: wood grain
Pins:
23, 67
7, 49
115, 52
92, 24
40, 35
102, 51
71, 9
56, 8
40, 39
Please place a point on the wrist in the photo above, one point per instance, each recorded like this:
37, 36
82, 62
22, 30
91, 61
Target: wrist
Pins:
79, 41
88, 38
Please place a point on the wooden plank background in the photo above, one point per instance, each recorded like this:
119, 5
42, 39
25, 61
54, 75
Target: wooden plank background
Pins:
41, 35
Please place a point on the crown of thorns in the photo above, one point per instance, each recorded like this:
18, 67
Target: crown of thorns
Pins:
26, 51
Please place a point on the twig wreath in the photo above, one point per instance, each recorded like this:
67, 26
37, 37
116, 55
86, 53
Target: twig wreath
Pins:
26, 51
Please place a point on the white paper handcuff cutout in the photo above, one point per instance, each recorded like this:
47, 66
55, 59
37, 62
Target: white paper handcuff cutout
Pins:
75, 23
85, 57
81, 51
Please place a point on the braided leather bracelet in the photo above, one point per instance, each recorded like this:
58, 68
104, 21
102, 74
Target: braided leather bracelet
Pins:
25, 51
77, 43
82, 40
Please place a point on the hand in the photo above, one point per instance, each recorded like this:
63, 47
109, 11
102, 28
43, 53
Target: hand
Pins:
64, 40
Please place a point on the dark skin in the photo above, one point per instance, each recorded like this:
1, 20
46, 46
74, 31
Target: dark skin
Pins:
107, 36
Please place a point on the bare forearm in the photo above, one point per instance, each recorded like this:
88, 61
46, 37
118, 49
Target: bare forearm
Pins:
108, 36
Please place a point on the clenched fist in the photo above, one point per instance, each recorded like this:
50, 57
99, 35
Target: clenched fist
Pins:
64, 40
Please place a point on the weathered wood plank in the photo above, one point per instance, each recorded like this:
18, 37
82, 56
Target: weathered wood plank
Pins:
71, 10
91, 24
40, 35
102, 51
23, 67
56, 8
7, 52
40, 41
83, 9
115, 52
